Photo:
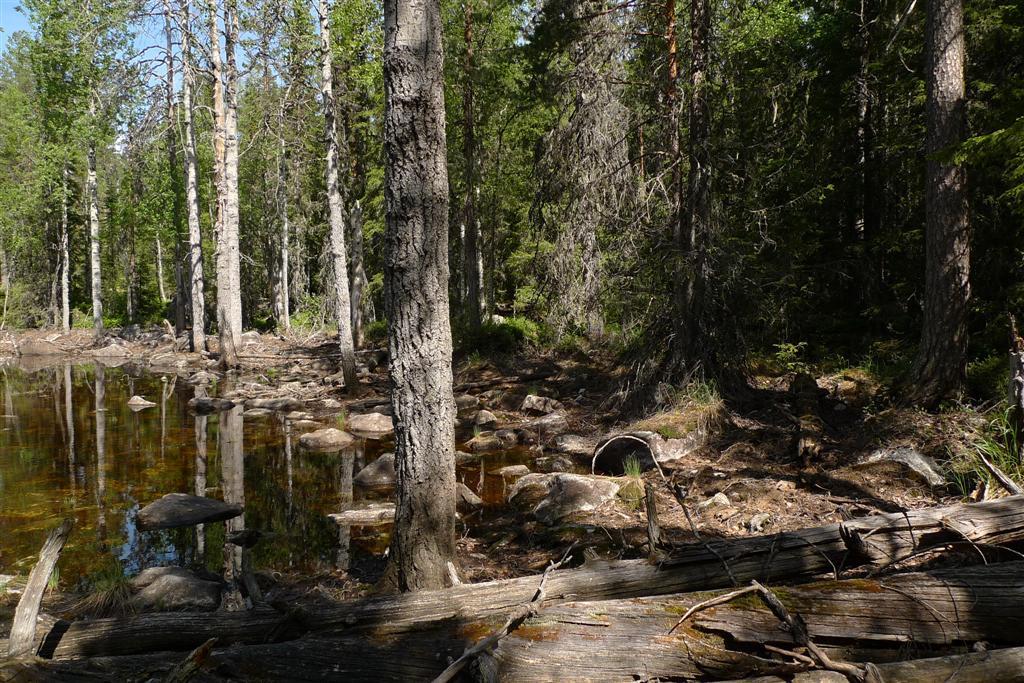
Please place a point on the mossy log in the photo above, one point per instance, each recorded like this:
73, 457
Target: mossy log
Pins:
779, 557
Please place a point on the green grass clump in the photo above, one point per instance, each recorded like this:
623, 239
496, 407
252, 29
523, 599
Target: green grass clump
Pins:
109, 595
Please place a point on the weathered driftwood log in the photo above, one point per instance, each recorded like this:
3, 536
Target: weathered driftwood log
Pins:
800, 554
875, 619
23, 630
861, 620
1005, 666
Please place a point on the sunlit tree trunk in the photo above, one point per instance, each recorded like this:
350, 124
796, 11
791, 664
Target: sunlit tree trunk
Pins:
162, 289
229, 277
65, 255
336, 206
942, 356
195, 235
416, 294
181, 294
94, 235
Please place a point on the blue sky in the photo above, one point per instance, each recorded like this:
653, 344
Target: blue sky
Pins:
11, 20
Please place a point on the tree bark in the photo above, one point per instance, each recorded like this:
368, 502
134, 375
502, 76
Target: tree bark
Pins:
471, 261
941, 361
416, 294
228, 251
358, 273
859, 618
23, 629
283, 304
697, 226
336, 205
172, 164
96, 281
195, 234
65, 255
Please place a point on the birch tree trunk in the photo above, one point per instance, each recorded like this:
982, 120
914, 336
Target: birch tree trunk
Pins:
942, 356
228, 251
65, 256
336, 206
195, 235
282, 306
181, 294
94, 235
358, 273
416, 294
162, 290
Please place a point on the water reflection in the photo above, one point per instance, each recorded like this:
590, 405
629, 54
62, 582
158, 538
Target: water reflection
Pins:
76, 449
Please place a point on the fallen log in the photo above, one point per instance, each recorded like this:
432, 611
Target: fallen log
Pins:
23, 630
860, 620
1005, 666
871, 619
787, 556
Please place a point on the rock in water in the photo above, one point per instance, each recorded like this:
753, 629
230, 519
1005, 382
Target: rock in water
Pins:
205, 406
373, 424
540, 404
39, 347
183, 509
139, 403
379, 474
485, 419
173, 589
327, 440
284, 404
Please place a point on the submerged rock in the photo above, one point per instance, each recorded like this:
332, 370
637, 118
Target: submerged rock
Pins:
379, 474
173, 589
326, 440
375, 424
552, 497
482, 443
183, 509
139, 403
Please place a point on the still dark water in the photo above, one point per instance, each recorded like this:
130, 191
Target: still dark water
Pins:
71, 447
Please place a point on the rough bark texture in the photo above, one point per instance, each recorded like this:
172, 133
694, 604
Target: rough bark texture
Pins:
225, 105
416, 294
942, 356
359, 280
629, 639
195, 235
336, 205
471, 263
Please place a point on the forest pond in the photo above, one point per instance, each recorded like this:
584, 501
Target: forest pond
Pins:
70, 446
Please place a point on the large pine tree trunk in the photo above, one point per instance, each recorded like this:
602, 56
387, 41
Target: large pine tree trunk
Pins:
471, 263
195, 235
942, 355
336, 205
697, 223
94, 240
416, 293
358, 273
